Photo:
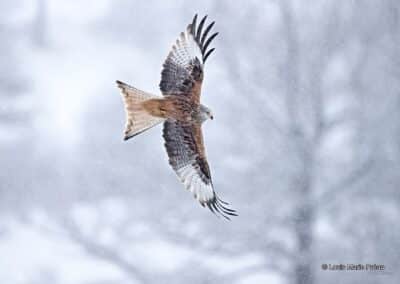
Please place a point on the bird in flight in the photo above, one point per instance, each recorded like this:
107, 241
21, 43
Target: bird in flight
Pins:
181, 112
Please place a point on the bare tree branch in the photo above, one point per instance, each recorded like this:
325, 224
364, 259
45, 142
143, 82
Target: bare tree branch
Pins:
103, 252
334, 192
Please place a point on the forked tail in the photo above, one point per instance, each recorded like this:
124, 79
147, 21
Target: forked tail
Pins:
138, 119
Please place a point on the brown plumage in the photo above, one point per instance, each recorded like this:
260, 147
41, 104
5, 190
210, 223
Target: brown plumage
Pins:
182, 113
172, 107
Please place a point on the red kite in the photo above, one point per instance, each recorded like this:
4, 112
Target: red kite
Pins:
181, 112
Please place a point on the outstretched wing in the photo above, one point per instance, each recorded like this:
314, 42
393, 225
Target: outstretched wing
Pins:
182, 72
185, 148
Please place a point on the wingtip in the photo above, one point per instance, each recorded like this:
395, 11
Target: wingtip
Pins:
127, 137
200, 28
200, 35
204, 19
194, 20
208, 54
120, 84
217, 206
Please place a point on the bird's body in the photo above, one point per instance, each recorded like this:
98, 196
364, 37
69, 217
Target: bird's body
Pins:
181, 112
177, 108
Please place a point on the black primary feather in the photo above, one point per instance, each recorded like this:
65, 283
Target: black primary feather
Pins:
201, 37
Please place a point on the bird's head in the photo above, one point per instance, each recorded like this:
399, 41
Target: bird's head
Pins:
205, 113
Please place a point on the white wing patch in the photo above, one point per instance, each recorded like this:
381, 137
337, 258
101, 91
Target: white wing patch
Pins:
190, 177
185, 50
184, 64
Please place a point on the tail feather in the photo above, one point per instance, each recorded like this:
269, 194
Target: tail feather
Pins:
138, 119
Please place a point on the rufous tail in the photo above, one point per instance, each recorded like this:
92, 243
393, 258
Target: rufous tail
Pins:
138, 119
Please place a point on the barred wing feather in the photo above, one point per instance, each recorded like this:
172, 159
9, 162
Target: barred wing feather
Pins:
185, 148
183, 71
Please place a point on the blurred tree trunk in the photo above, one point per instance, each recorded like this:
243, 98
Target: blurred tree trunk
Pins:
39, 24
302, 180
15, 114
394, 7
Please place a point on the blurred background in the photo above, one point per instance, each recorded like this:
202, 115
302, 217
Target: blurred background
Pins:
305, 144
